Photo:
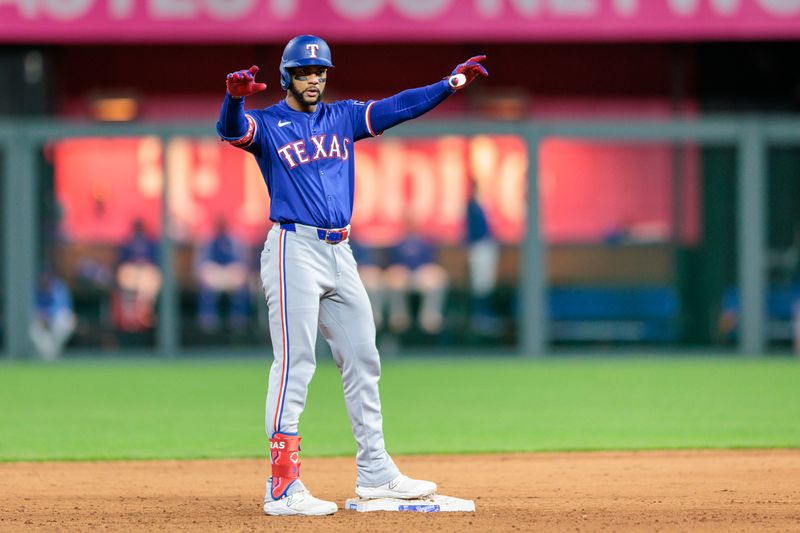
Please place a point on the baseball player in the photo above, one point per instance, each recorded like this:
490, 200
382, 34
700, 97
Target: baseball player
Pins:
305, 150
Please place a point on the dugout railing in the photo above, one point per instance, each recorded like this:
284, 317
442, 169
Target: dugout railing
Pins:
749, 135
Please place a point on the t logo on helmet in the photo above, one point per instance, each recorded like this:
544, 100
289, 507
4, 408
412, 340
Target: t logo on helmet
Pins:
312, 49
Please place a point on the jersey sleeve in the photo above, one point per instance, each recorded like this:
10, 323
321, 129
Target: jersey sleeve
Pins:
253, 137
237, 127
374, 117
256, 137
362, 119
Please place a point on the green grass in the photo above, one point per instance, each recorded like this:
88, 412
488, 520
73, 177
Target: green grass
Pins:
191, 409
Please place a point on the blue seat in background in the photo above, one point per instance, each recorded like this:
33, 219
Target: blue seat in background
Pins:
780, 310
628, 314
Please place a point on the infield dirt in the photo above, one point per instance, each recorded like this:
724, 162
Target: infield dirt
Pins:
642, 491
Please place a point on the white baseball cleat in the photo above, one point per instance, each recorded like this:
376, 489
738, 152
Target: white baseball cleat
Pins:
402, 487
300, 503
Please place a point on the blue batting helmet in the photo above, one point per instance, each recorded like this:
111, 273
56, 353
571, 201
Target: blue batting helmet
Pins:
304, 51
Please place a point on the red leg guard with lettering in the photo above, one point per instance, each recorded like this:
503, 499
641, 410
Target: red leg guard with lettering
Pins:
284, 453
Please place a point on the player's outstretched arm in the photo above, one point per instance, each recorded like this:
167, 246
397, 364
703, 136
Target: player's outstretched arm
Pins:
233, 125
383, 114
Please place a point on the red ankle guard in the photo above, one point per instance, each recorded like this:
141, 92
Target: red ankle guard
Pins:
284, 456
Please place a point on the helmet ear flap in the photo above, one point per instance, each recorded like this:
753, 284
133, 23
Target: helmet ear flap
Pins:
286, 79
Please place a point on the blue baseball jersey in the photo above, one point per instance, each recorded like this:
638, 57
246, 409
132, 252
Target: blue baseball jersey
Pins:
222, 250
140, 248
307, 159
52, 298
413, 252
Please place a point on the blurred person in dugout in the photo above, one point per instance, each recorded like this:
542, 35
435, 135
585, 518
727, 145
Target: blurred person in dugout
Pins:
782, 304
54, 319
413, 268
483, 254
782, 307
371, 273
138, 281
221, 268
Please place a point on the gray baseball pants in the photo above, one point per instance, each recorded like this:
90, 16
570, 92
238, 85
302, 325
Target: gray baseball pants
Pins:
308, 284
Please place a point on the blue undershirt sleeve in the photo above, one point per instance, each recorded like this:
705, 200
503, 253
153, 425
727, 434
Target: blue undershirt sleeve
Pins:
232, 124
384, 114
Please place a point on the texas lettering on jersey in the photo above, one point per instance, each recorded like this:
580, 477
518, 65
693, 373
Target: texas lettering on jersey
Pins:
324, 146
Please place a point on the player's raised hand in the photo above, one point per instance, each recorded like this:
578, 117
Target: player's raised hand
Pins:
467, 71
243, 82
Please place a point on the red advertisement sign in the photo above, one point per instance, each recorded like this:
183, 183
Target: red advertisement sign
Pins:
254, 21
590, 191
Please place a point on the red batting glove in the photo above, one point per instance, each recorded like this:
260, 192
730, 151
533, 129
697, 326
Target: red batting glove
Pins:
468, 70
243, 82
